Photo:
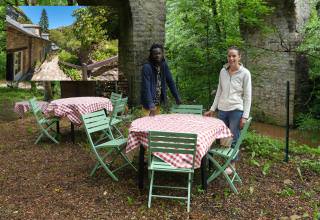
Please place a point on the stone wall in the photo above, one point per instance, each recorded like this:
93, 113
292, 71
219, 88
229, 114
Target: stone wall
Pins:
16, 40
272, 61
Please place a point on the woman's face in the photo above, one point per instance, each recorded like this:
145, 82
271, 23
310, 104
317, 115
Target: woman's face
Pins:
233, 57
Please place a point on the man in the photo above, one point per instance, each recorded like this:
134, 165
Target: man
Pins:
155, 77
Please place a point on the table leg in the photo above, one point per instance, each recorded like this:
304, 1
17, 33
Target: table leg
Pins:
72, 133
141, 167
58, 127
204, 177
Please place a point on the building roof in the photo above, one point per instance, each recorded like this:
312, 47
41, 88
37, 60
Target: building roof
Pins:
21, 27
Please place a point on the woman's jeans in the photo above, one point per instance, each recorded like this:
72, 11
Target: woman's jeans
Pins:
232, 120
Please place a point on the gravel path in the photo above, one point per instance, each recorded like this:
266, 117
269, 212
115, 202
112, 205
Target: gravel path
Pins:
50, 70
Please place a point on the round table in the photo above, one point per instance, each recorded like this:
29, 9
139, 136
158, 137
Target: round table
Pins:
207, 128
74, 107
22, 107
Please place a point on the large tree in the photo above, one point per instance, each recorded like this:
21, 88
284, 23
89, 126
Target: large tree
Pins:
44, 22
92, 26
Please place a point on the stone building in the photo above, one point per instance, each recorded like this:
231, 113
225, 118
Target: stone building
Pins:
273, 60
25, 47
142, 22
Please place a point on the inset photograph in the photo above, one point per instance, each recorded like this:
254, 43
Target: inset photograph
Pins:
61, 43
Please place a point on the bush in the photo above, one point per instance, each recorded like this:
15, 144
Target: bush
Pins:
68, 57
105, 50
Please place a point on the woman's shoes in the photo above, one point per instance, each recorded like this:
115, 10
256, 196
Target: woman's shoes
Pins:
228, 171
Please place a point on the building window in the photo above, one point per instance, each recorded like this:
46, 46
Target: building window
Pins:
17, 64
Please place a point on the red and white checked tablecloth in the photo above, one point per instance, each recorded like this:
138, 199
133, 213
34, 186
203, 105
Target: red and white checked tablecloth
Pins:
22, 107
207, 128
74, 107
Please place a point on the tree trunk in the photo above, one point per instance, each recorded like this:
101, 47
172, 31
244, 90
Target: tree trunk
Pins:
48, 96
26, 2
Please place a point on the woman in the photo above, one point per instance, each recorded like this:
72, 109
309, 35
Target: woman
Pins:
233, 97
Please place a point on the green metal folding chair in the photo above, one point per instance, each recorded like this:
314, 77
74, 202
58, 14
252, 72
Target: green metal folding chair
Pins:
98, 123
187, 109
227, 155
115, 118
170, 142
114, 97
45, 124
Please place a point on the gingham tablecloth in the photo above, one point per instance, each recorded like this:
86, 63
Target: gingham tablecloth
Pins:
74, 107
207, 128
22, 107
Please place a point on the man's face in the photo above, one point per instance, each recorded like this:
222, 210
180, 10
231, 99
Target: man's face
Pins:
157, 55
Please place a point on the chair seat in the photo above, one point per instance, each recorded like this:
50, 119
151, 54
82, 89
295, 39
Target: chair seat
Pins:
224, 152
160, 165
112, 143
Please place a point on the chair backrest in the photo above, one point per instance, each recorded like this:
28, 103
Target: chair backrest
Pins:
94, 122
114, 97
119, 108
242, 136
187, 109
36, 110
171, 142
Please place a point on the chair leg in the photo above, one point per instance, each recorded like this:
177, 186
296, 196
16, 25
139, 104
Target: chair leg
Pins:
98, 164
189, 190
234, 189
128, 161
150, 188
38, 139
217, 172
236, 176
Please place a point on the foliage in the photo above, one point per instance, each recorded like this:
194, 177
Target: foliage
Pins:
67, 57
91, 36
65, 39
273, 149
197, 35
88, 29
44, 22
105, 49
71, 72
311, 47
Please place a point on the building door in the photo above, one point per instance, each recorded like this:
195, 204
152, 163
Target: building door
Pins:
9, 67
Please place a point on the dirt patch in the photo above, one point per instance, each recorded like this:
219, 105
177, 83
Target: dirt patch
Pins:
52, 181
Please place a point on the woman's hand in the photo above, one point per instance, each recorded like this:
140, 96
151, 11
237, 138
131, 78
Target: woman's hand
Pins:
209, 113
242, 122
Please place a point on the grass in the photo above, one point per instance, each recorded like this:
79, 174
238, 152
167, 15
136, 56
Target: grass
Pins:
17, 94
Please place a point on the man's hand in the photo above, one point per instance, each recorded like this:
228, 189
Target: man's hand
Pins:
209, 113
242, 122
152, 112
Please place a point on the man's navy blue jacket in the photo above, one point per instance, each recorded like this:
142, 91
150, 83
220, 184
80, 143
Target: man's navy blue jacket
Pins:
149, 83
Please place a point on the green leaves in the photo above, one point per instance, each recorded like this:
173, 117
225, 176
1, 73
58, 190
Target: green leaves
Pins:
198, 33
